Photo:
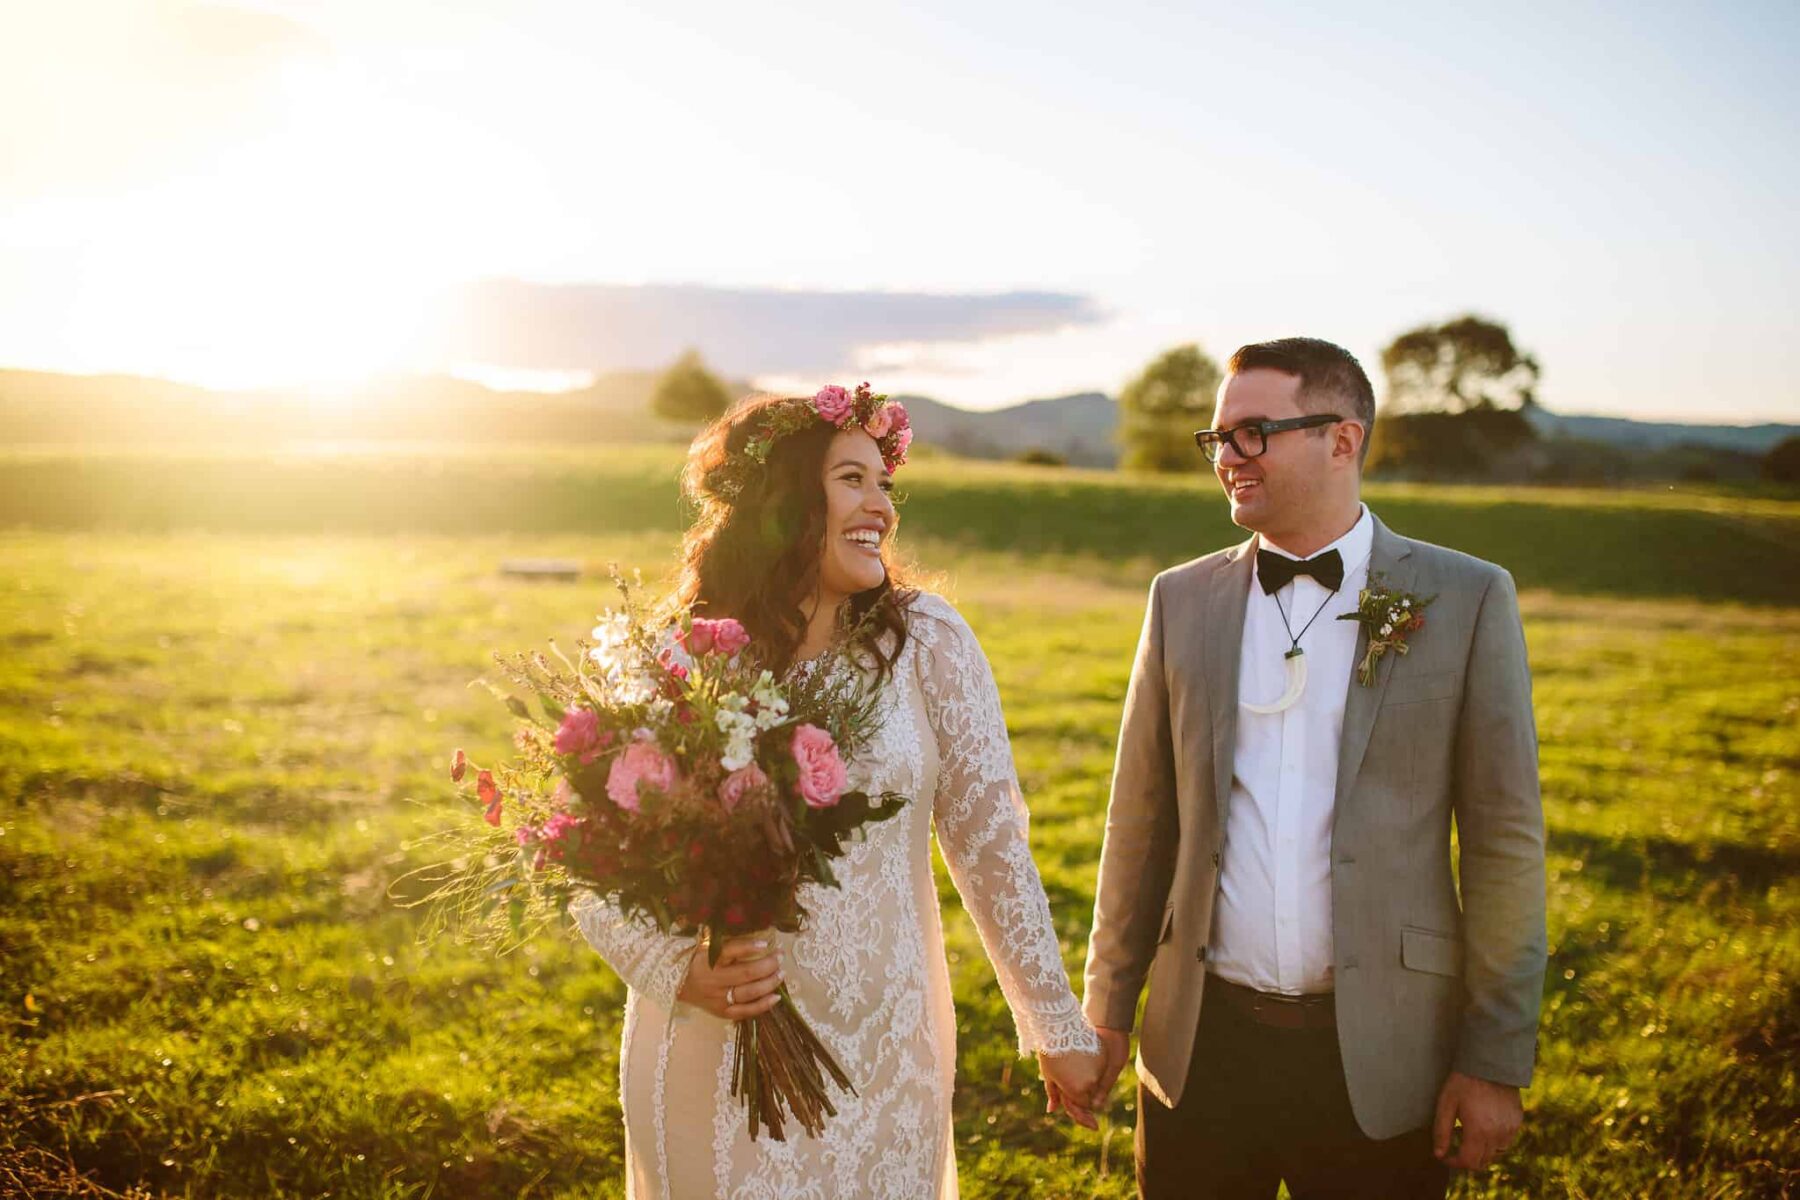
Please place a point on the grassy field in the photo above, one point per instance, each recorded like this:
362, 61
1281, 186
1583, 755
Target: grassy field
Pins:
229, 687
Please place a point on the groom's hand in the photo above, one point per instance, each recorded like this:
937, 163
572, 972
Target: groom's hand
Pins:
1115, 1052
1490, 1115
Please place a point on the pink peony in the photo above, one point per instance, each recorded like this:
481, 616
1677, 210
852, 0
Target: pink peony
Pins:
580, 734
877, 425
641, 763
897, 414
740, 783
822, 775
833, 403
726, 636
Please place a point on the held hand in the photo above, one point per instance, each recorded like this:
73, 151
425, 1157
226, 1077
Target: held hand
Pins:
1115, 1052
1490, 1115
1069, 1082
744, 983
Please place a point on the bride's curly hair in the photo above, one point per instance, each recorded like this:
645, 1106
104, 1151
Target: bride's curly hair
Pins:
754, 549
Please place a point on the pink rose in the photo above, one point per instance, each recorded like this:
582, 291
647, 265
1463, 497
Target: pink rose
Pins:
580, 734
833, 403
822, 775
641, 763
897, 413
877, 426
740, 783
726, 636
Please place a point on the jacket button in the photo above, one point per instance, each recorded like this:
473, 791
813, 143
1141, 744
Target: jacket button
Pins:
1215, 858
1200, 954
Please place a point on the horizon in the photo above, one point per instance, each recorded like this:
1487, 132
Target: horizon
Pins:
353, 390
275, 195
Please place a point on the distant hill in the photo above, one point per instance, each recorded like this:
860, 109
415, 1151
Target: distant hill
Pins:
39, 407
1078, 427
1660, 435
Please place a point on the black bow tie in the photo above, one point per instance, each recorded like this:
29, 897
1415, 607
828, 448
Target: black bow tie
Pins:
1275, 570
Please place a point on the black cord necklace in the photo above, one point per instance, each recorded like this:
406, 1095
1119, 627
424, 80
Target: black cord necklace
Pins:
1295, 659
1294, 638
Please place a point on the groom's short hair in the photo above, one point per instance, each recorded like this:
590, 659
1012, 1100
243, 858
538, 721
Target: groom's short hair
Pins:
1331, 380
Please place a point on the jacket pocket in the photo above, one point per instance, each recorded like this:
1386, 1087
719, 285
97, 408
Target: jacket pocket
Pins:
1435, 953
1417, 689
1168, 923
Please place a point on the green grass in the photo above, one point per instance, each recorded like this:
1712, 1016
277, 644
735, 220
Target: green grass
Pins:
223, 714
1653, 544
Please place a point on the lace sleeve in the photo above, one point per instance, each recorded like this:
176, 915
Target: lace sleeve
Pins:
982, 826
647, 959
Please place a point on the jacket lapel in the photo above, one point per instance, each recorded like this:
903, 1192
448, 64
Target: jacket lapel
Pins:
1389, 557
1230, 591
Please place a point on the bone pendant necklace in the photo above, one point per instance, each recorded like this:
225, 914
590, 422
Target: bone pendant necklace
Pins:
1294, 661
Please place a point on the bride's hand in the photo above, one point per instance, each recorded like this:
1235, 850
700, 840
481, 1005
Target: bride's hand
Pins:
1069, 1084
742, 985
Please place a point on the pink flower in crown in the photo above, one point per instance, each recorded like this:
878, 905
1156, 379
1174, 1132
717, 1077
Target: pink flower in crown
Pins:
641, 764
897, 414
579, 734
725, 636
832, 403
902, 440
877, 426
739, 784
822, 774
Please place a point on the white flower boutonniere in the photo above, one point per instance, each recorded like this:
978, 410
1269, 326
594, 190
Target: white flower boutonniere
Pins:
1389, 616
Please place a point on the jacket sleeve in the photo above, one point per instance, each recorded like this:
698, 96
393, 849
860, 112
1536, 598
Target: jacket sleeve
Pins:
1137, 859
1500, 834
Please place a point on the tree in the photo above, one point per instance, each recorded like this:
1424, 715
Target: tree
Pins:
1161, 408
1480, 444
1461, 365
688, 391
1782, 464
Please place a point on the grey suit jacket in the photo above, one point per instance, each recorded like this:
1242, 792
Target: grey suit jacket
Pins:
1427, 981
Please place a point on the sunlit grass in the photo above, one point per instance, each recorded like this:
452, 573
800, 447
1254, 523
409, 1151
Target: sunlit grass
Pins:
215, 747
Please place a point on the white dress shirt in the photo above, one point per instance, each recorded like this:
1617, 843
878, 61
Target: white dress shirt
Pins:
1272, 921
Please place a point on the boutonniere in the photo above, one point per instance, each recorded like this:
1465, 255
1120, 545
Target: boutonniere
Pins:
1389, 616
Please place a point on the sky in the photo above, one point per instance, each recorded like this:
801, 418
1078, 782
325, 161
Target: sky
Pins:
984, 202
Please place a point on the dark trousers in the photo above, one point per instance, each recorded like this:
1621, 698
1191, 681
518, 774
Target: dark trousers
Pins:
1263, 1105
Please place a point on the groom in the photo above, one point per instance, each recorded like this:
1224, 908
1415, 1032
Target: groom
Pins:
1333, 1001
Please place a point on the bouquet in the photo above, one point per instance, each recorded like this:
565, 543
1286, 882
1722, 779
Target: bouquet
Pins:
664, 769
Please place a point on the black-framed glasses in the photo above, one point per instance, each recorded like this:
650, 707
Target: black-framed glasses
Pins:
1252, 438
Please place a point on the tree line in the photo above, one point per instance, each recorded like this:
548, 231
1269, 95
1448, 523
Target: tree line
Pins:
1460, 401
1459, 405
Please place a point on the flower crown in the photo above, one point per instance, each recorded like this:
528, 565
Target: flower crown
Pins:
882, 419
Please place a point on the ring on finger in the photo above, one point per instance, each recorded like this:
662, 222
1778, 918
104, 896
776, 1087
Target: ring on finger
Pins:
729, 1002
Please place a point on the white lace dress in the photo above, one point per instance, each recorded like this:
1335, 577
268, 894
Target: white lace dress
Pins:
868, 973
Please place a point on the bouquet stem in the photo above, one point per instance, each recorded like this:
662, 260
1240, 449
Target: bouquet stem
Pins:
778, 1070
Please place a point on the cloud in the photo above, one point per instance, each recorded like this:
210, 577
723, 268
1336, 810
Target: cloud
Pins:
98, 95
512, 323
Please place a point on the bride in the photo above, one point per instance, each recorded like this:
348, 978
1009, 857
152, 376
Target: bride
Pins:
795, 518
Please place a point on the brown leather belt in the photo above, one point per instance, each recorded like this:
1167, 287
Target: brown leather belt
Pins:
1275, 1010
